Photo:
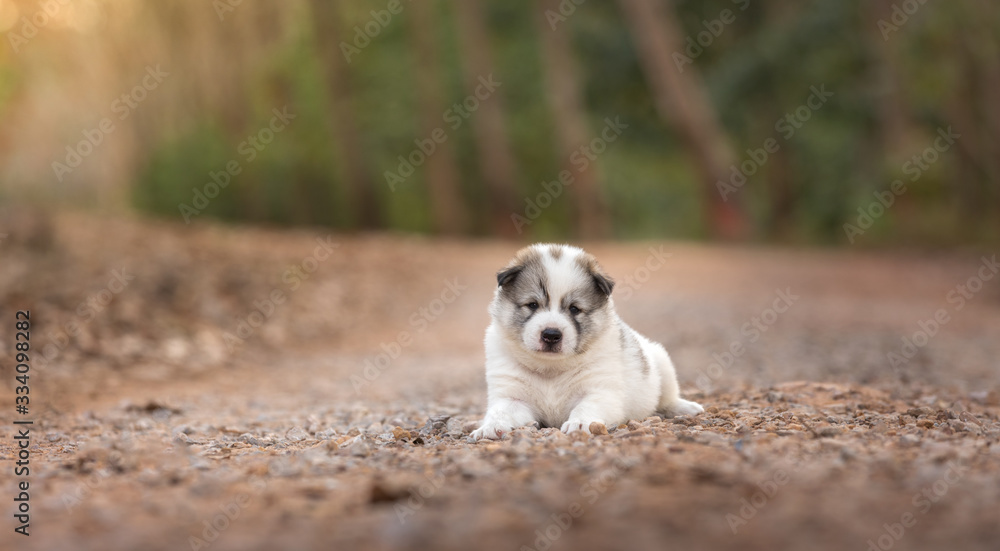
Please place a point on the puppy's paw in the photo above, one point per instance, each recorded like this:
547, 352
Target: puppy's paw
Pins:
577, 423
491, 431
685, 407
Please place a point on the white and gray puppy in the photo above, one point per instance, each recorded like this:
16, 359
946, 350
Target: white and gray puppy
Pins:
558, 354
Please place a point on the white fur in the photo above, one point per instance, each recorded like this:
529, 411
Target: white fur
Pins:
603, 384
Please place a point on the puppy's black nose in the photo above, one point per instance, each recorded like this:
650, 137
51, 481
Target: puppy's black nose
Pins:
551, 336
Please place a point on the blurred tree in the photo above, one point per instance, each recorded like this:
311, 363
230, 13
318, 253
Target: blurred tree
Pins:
898, 78
496, 161
991, 64
987, 47
347, 137
781, 188
982, 51
564, 94
246, 36
682, 97
969, 174
891, 105
449, 212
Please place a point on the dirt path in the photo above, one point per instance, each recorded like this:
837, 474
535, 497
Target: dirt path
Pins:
153, 434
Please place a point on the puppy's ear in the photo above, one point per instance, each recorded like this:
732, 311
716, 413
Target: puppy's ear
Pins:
604, 283
508, 275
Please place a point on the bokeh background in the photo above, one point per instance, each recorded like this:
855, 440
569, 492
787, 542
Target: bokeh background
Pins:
239, 286
181, 86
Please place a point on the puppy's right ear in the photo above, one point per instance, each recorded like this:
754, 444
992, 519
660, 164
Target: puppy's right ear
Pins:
510, 274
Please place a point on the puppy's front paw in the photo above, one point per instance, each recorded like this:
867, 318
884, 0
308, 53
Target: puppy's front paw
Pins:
577, 423
491, 431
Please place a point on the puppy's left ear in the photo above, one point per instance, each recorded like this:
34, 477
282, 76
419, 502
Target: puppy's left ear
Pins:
510, 274
604, 283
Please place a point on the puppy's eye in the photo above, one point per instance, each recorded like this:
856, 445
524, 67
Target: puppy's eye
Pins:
573, 309
532, 305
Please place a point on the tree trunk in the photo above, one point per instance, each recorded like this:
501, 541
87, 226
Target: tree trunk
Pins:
681, 96
895, 127
347, 138
563, 90
988, 56
447, 205
496, 160
971, 156
251, 194
783, 193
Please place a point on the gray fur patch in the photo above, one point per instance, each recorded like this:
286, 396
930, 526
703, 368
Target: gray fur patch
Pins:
528, 284
602, 282
631, 347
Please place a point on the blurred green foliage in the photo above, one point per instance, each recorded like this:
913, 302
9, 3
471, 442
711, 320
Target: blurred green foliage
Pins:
760, 68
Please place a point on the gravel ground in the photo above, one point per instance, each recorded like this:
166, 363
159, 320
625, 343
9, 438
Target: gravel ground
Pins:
341, 420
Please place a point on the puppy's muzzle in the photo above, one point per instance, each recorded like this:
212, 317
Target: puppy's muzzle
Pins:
551, 339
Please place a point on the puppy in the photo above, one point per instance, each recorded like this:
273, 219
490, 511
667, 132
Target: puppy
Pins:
558, 354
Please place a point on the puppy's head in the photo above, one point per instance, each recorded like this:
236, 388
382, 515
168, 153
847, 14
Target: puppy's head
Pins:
553, 300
